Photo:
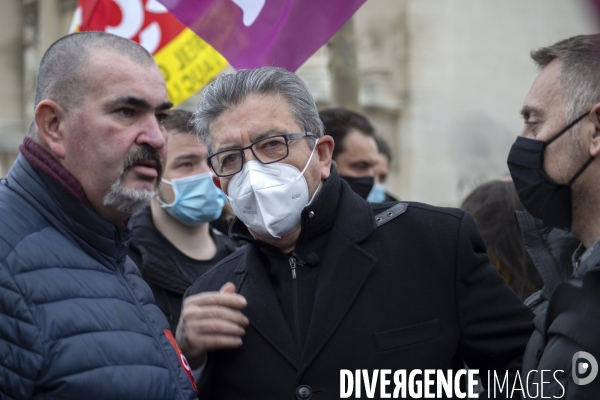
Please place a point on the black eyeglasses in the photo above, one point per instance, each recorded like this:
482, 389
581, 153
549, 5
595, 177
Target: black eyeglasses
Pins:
267, 151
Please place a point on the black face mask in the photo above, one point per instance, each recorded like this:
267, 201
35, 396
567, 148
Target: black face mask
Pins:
361, 186
542, 197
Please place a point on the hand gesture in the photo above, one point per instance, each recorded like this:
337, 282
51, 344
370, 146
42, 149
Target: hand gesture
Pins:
211, 321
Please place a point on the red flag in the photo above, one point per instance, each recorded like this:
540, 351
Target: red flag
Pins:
186, 61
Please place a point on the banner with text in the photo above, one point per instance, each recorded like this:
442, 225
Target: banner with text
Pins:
186, 61
255, 33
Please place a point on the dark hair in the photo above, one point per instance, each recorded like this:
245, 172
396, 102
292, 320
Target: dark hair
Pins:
338, 122
493, 205
384, 148
579, 75
179, 120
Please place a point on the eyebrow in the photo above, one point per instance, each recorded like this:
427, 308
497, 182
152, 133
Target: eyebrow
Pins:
365, 161
187, 157
265, 134
253, 139
527, 110
167, 105
139, 103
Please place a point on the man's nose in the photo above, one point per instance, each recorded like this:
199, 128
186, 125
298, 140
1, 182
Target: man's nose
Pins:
152, 133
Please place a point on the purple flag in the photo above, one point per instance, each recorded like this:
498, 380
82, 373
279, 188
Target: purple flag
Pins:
256, 33
596, 6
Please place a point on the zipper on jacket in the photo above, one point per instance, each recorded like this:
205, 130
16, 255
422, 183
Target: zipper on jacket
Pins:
293, 265
121, 272
294, 262
121, 248
576, 283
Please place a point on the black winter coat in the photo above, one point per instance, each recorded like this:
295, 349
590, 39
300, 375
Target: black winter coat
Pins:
411, 291
566, 324
550, 250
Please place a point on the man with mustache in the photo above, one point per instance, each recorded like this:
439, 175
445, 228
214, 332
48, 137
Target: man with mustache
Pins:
76, 319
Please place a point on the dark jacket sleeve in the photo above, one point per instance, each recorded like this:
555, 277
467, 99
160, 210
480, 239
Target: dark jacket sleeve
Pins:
495, 325
20, 347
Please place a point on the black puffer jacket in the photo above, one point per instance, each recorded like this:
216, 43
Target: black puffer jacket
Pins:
550, 250
567, 320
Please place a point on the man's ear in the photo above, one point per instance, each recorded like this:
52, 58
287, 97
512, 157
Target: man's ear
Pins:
595, 139
51, 120
325, 151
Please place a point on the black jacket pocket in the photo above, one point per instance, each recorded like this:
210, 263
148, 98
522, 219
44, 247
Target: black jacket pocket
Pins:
407, 335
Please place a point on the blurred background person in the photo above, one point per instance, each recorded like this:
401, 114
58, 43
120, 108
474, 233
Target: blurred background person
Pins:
379, 192
172, 243
493, 206
355, 152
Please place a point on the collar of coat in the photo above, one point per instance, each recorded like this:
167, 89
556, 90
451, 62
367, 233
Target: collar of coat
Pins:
356, 220
43, 161
98, 237
348, 220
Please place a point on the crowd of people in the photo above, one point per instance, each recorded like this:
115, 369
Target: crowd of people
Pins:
251, 249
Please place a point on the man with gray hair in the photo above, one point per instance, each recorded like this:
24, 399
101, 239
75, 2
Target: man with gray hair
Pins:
76, 319
555, 168
329, 282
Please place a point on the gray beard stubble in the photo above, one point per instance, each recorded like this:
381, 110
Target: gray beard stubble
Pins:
129, 201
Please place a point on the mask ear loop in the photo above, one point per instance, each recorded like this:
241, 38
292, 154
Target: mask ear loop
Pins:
160, 201
306, 166
566, 128
309, 158
559, 134
587, 163
315, 193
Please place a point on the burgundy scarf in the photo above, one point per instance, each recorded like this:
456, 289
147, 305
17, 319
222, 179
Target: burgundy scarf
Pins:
41, 160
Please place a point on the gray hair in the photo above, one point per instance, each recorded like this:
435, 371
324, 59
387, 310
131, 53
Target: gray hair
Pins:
62, 74
580, 72
227, 91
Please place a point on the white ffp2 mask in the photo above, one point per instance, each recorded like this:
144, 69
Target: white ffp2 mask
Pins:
269, 198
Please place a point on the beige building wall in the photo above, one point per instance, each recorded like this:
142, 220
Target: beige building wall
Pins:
469, 72
11, 77
27, 29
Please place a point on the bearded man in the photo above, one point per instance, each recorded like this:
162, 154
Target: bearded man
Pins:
76, 319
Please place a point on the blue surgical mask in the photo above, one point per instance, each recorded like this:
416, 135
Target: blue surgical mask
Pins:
197, 199
377, 194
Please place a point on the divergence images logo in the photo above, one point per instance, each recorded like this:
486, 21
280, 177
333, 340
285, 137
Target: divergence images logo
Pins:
581, 367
